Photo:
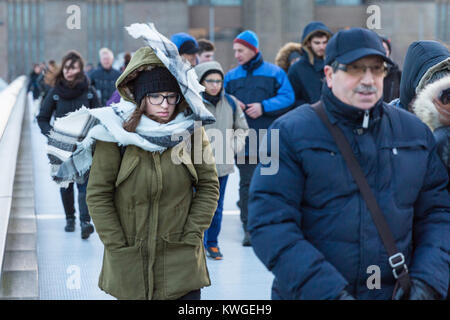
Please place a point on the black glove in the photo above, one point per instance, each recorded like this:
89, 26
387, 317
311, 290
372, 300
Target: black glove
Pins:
344, 295
419, 291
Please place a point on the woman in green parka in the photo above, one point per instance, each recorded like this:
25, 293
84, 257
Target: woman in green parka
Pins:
151, 208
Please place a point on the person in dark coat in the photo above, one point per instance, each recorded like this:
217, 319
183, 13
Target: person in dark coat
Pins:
33, 84
288, 54
420, 60
264, 93
432, 101
115, 97
391, 86
306, 75
70, 93
309, 223
104, 77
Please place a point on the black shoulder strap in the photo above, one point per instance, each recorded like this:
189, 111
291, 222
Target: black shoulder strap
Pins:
396, 258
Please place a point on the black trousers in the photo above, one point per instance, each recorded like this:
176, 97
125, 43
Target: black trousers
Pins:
193, 295
245, 174
67, 197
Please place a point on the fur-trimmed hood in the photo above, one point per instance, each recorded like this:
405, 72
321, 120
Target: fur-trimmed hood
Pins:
422, 59
423, 105
282, 58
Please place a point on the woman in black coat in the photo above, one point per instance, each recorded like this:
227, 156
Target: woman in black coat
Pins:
70, 93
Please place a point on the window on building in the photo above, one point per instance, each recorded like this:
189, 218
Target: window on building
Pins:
339, 2
222, 3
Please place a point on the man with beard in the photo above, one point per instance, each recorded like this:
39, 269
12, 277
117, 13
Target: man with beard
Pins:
306, 75
310, 224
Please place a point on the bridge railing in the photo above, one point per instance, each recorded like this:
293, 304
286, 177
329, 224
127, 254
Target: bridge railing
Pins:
12, 108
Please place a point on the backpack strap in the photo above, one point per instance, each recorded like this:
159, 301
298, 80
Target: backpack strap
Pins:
231, 102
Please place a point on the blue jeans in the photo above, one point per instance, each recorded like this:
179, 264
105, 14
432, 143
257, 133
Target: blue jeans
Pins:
212, 233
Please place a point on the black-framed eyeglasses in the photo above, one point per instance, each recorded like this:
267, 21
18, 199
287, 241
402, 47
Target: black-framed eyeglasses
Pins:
158, 98
218, 82
360, 70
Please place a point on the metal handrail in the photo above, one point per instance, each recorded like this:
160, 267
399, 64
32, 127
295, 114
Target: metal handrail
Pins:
12, 110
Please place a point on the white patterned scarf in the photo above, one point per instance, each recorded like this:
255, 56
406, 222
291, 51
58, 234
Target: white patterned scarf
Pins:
72, 139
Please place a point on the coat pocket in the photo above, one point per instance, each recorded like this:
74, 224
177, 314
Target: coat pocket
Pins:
184, 268
123, 274
406, 157
126, 168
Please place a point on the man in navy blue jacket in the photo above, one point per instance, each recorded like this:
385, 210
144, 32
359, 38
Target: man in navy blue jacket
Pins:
309, 223
264, 93
306, 75
104, 77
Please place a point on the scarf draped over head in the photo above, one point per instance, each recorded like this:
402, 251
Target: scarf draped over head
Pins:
72, 140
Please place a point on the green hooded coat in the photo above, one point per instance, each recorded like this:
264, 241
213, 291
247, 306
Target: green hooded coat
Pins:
150, 212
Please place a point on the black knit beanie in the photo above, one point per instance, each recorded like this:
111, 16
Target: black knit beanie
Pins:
158, 79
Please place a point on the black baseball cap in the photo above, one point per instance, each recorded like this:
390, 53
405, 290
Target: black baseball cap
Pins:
347, 46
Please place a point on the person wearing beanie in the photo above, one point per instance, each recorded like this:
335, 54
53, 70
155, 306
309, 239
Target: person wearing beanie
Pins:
264, 93
306, 75
153, 185
187, 47
318, 229
229, 118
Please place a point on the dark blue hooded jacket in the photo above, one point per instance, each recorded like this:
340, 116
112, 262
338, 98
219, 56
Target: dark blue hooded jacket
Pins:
306, 77
104, 81
420, 57
309, 224
264, 82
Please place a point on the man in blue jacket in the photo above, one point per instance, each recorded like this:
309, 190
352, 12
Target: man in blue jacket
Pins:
104, 77
309, 223
264, 93
306, 75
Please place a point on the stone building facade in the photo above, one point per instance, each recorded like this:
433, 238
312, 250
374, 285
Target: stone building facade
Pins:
37, 30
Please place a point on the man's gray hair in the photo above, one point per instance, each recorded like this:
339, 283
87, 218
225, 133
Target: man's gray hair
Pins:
103, 51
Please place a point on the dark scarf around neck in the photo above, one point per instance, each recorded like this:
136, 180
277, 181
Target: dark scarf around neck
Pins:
253, 63
71, 90
212, 99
